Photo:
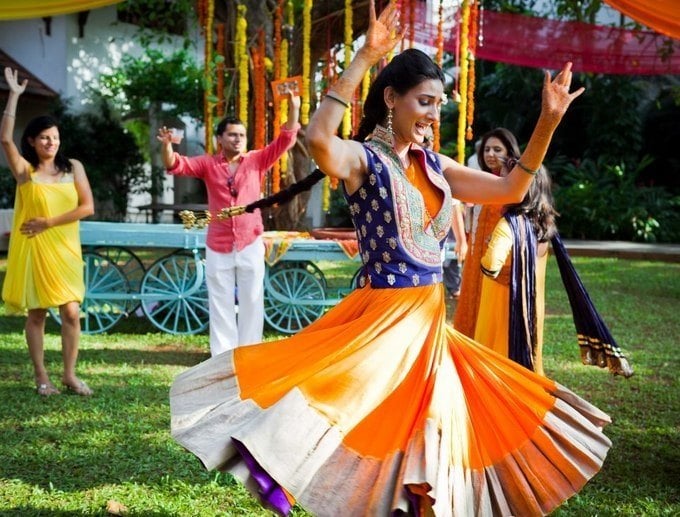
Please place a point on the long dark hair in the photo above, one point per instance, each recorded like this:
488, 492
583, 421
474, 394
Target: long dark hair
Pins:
33, 129
406, 71
509, 141
538, 206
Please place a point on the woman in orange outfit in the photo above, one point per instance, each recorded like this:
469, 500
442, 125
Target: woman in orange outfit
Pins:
380, 407
498, 147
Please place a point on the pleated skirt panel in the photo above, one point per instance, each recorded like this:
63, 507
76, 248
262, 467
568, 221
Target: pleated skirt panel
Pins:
380, 408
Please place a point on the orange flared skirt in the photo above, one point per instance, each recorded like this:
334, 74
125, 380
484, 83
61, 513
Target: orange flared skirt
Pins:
380, 407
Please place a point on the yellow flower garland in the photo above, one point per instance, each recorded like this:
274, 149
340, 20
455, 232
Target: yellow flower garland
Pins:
276, 129
326, 195
283, 105
439, 59
207, 102
306, 57
462, 107
242, 62
347, 117
474, 31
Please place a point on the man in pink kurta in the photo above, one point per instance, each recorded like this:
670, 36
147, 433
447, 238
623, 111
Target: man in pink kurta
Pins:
234, 246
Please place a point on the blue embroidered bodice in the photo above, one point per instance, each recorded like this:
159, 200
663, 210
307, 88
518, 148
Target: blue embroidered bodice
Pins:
400, 246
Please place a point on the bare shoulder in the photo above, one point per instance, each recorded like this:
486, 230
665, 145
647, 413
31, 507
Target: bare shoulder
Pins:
77, 166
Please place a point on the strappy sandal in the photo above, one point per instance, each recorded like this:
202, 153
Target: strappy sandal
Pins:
80, 388
47, 389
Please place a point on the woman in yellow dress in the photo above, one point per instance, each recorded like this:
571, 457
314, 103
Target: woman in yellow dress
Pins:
379, 407
44, 262
512, 302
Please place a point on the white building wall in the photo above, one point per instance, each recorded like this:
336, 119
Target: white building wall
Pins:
70, 64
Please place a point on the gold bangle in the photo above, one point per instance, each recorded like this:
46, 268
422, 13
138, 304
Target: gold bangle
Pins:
346, 104
526, 169
8, 114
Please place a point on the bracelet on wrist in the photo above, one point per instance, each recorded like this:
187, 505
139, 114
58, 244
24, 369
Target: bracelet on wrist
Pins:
334, 97
526, 169
9, 114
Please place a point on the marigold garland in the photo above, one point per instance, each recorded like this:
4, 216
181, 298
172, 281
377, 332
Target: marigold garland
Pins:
347, 117
259, 96
326, 195
473, 31
219, 70
462, 107
285, 71
439, 59
306, 57
242, 62
208, 77
276, 129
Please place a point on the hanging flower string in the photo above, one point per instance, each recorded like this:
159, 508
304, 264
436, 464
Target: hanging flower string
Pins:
439, 59
219, 70
259, 96
276, 129
462, 107
473, 32
285, 70
242, 62
208, 76
306, 58
347, 117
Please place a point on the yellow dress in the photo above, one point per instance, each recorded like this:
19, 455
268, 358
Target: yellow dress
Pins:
46, 270
492, 327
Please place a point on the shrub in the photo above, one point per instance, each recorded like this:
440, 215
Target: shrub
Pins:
600, 200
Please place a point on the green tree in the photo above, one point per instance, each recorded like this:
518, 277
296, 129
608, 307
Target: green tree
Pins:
109, 152
148, 90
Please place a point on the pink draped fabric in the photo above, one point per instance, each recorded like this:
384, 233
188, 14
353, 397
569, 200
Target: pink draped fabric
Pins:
543, 43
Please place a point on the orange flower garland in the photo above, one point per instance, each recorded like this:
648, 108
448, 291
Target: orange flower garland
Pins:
474, 27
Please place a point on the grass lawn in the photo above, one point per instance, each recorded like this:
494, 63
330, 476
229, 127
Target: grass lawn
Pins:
69, 456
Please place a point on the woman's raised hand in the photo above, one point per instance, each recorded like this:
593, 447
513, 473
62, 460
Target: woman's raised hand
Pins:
556, 96
384, 32
12, 78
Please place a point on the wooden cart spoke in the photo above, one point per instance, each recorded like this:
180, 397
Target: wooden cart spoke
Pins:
178, 301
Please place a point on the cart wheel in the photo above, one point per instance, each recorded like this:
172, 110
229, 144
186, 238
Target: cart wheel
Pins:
102, 277
130, 265
289, 298
177, 310
308, 266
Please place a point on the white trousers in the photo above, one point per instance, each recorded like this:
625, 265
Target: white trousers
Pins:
224, 273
